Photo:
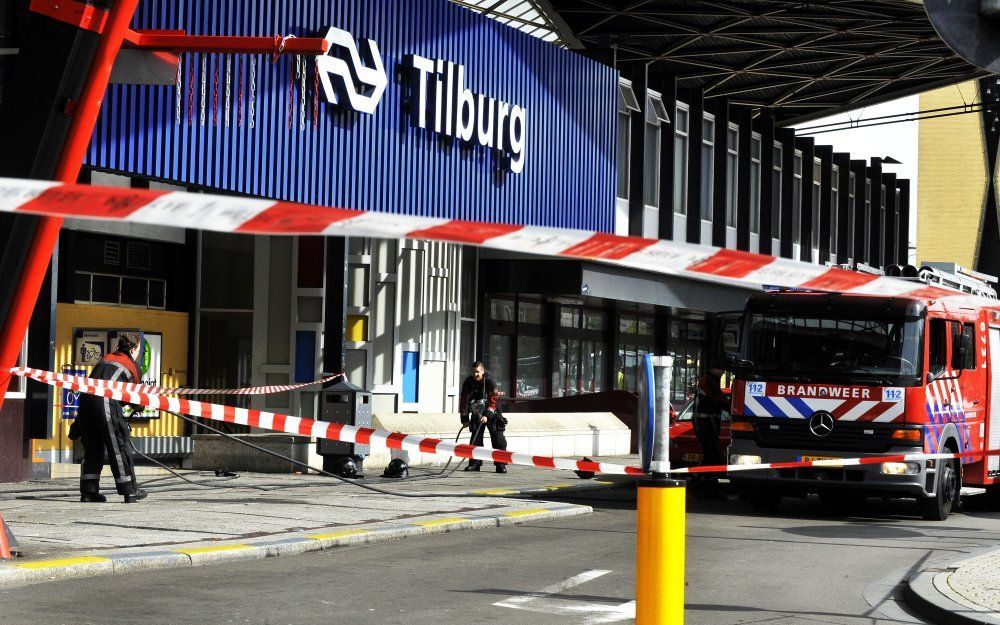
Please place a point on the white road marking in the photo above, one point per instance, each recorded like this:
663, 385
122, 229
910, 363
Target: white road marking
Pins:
595, 613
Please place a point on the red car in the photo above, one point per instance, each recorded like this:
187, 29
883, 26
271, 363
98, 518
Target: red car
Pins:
685, 450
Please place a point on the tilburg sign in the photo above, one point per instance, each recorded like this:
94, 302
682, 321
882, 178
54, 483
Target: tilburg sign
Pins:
439, 100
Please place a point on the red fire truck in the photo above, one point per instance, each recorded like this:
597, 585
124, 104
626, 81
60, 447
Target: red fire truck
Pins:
829, 376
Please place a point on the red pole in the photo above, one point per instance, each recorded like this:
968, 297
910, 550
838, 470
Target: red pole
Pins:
67, 171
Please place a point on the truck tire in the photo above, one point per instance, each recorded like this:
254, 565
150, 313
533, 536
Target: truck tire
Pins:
947, 489
763, 500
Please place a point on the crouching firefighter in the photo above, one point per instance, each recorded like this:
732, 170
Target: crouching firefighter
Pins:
477, 406
102, 429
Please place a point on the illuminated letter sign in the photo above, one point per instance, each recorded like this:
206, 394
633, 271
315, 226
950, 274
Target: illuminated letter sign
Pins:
440, 101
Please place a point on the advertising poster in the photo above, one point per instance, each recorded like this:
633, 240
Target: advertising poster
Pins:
89, 346
71, 399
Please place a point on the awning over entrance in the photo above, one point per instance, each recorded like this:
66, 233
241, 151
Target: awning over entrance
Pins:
572, 278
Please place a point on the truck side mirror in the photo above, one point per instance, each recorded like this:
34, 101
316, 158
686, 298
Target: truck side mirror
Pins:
733, 362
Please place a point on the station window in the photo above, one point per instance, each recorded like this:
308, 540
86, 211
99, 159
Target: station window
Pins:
776, 170
627, 104
687, 346
797, 197
635, 339
867, 217
681, 129
882, 224
515, 346
899, 241
817, 183
707, 165
851, 213
755, 169
732, 158
578, 352
656, 116
501, 309
834, 208
99, 288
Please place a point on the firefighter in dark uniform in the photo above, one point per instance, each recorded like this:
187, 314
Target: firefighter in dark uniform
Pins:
103, 430
479, 387
709, 404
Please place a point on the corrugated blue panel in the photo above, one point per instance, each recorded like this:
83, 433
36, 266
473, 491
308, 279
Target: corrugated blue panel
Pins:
374, 162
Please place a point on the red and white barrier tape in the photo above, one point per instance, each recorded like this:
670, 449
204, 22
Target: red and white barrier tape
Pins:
170, 390
259, 216
397, 440
322, 429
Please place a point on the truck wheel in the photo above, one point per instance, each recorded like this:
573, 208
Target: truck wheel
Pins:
938, 507
762, 500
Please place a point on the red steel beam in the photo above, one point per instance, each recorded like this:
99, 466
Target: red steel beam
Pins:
72, 12
178, 41
84, 113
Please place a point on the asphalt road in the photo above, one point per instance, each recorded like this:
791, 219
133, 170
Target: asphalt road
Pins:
803, 565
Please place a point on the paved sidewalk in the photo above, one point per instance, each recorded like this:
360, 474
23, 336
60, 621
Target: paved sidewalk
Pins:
959, 592
259, 515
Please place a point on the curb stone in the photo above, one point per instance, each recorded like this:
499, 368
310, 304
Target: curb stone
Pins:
127, 561
928, 592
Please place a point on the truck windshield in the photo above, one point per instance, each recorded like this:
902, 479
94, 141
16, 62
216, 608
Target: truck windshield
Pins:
870, 350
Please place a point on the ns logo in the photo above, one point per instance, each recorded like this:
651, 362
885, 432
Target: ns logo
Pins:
349, 77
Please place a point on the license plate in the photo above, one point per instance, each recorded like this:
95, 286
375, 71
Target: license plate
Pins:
692, 457
811, 458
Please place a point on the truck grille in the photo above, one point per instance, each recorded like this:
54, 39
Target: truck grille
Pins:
849, 437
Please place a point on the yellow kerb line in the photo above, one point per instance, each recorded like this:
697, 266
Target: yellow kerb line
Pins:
338, 534
437, 522
495, 491
529, 512
55, 564
200, 550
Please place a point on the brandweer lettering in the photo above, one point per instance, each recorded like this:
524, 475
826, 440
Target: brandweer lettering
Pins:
833, 392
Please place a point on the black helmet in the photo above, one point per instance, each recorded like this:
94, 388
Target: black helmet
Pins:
585, 475
397, 468
348, 468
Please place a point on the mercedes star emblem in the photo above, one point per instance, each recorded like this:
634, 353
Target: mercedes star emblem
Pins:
821, 424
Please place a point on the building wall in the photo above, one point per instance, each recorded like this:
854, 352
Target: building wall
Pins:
402, 321
173, 366
14, 465
716, 176
953, 181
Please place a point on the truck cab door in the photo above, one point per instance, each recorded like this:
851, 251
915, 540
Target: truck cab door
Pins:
969, 396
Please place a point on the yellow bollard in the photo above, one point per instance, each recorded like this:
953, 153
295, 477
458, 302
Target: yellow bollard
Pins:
659, 561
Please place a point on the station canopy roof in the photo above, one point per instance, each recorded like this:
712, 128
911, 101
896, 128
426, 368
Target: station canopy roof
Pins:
802, 59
